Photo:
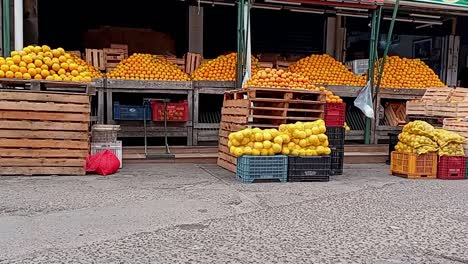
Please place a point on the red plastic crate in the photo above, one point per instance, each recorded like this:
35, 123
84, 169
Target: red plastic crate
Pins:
175, 111
335, 114
451, 168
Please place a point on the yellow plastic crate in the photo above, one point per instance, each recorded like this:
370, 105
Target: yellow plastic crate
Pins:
414, 166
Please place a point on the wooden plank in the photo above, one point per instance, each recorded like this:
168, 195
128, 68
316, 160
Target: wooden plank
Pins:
234, 119
288, 109
43, 125
43, 153
235, 111
44, 97
44, 107
286, 117
24, 115
8, 171
43, 143
229, 158
231, 126
4, 133
223, 141
239, 103
41, 162
224, 133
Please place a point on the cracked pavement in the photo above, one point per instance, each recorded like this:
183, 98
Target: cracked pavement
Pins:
161, 213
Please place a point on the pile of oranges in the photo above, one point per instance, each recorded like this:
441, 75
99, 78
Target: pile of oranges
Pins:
147, 67
44, 63
279, 79
285, 79
223, 68
408, 73
324, 69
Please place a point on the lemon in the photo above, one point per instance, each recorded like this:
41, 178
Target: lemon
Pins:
247, 132
239, 136
235, 142
283, 127
295, 152
285, 138
271, 152
296, 133
291, 145
231, 135
322, 137
325, 143
278, 140
264, 152
285, 151
267, 144
303, 143
316, 130
322, 129
308, 125
250, 144
229, 142
238, 152
308, 152
320, 150
308, 132
258, 145
245, 141
255, 152
314, 140
313, 153
302, 152
276, 148
258, 137
327, 151
232, 149
247, 151
267, 136
296, 141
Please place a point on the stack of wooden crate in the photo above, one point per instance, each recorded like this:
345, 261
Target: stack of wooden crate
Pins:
43, 133
440, 102
112, 57
264, 108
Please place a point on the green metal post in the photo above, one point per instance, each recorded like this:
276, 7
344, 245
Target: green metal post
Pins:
6, 27
370, 75
377, 36
240, 42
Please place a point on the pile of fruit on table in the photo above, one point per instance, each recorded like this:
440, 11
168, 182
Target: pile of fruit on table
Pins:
222, 68
299, 139
44, 63
148, 67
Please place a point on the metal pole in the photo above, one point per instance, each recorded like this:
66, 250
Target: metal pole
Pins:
370, 75
6, 28
240, 42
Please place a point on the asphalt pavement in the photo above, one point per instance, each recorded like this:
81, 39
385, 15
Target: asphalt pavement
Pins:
185, 213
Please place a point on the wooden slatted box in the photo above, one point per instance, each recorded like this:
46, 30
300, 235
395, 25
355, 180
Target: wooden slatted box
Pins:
43, 133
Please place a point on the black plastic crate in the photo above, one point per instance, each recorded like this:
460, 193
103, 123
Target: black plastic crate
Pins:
309, 169
337, 160
392, 142
336, 136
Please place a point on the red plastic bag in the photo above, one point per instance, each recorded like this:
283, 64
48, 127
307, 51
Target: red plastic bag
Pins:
103, 163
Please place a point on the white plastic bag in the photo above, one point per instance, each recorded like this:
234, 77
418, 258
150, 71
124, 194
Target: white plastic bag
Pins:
364, 101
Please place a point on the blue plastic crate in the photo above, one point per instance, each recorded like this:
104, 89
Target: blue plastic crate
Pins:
130, 112
262, 168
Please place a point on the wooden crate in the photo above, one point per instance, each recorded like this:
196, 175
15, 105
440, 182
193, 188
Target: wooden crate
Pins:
450, 109
177, 61
395, 113
43, 133
459, 95
265, 64
95, 57
50, 86
192, 61
123, 47
112, 58
264, 108
437, 94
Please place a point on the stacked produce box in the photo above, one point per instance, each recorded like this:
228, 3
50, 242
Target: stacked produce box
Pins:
293, 152
426, 152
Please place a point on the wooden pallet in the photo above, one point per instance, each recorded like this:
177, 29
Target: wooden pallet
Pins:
43, 133
264, 108
95, 57
192, 61
457, 125
50, 86
395, 113
177, 61
459, 95
450, 109
123, 47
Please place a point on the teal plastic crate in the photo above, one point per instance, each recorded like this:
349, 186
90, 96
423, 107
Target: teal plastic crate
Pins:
262, 168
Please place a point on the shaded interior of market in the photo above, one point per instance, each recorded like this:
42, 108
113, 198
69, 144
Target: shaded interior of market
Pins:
291, 35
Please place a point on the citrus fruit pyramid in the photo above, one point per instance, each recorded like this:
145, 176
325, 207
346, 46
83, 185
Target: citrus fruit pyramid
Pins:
141, 66
44, 63
408, 73
285, 79
324, 69
223, 68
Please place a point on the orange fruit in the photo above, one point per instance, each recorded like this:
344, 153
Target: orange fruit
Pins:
2, 74
45, 73
32, 71
26, 76
38, 63
38, 77
18, 75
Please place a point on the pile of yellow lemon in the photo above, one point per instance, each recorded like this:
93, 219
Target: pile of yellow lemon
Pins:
44, 63
299, 139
